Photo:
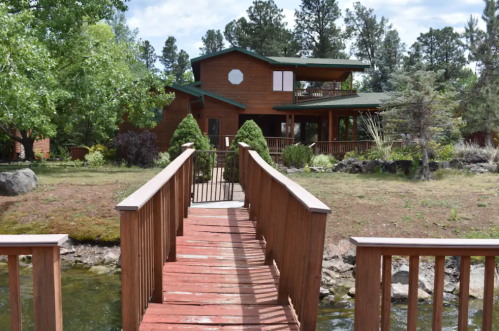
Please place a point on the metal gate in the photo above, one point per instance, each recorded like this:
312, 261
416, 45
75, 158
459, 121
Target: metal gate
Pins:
213, 176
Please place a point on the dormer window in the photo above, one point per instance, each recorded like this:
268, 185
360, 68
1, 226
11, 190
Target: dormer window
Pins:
283, 81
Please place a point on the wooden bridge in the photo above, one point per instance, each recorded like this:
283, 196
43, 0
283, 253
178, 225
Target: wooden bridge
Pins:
253, 268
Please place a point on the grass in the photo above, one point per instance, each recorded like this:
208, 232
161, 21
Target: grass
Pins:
78, 201
458, 205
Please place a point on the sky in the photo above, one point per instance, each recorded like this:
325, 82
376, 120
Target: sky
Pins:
188, 20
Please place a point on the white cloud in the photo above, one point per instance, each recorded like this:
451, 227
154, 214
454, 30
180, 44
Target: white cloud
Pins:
289, 17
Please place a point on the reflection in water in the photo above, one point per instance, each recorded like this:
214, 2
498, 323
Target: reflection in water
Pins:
89, 302
341, 319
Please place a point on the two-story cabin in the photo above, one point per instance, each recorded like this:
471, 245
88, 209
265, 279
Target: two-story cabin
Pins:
236, 85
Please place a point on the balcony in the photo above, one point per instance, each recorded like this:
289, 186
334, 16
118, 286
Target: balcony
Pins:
310, 94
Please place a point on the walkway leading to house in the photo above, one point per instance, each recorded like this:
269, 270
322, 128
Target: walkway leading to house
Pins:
219, 281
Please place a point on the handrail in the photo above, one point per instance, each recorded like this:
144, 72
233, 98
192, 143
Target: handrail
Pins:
367, 279
309, 94
150, 220
47, 298
293, 223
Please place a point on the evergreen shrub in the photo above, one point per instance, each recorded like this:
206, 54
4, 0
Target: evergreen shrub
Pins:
297, 156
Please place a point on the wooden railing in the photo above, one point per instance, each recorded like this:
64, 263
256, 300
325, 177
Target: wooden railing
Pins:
342, 147
367, 279
309, 94
293, 223
150, 220
47, 297
277, 144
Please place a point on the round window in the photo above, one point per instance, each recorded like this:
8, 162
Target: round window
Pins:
236, 76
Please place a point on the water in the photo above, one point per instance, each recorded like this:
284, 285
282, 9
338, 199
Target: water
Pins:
341, 319
89, 302
93, 303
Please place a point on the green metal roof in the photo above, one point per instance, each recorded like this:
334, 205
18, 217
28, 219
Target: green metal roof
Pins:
361, 100
290, 61
197, 92
327, 63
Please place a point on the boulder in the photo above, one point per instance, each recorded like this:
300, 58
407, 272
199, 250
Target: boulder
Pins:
433, 165
333, 251
405, 166
328, 299
351, 292
17, 182
337, 266
401, 276
340, 166
110, 258
316, 169
323, 292
444, 165
355, 167
449, 287
294, 171
369, 167
477, 158
350, 256
456, 163
488, 166
401, 292
391, 167
101, 270
477, 277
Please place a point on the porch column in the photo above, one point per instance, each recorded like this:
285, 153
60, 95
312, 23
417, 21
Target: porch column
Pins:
330, 136
287, 126
347, 127
351, 80
293, 127
355, 128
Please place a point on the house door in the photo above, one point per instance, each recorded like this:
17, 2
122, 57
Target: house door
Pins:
213, 130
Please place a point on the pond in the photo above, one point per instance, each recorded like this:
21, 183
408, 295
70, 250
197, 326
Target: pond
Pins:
93, 303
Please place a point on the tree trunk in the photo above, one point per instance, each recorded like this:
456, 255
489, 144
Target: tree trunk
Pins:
27, 141
425, 171
488, 136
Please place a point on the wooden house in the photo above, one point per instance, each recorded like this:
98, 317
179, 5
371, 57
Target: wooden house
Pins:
235, 85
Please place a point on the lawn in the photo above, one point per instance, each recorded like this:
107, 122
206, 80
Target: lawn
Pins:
456, 206
77, 201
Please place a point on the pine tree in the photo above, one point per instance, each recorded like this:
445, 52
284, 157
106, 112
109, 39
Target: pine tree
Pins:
389, 60
181, 68
213, 42
169, 55
264, 32
481, 111
147, 55
317, 30
418, 110
121, 30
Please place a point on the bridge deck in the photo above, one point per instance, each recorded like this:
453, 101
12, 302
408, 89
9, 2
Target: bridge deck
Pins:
219, 281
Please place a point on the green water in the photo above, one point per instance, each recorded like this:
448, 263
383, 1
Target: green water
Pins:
341, 319
89, 302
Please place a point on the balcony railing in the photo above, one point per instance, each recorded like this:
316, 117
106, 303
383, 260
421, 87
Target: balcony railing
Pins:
310, 94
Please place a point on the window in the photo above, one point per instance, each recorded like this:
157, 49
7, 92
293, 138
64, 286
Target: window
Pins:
214, 131
236, 76
283, 81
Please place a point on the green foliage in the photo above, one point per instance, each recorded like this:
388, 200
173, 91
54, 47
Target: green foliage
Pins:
297, 156
251, 134
188, 131
213, 41
95, 159
147, 55
163, 160
109, 154
177, 64
264, 32
354, 155
6, 146
324, 161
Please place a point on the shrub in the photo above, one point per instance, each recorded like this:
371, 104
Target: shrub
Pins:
354, 155
251, 134
324, 161
163, 160
297, 156
95, 159
137, 148
467, 150
188, 132
109, 154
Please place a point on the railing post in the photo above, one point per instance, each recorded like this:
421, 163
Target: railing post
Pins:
248, 182
190, 175
47, 288
172, 206
129, 270
158, 214
180, 196
255, 192
271, 219
242, 169
367, 289
15, 294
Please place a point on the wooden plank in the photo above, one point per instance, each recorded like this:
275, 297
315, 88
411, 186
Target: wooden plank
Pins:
262, 319
367, 290
180, 196
386, 300
217, 299
15, 294
412, 309
129, 270
172, 257
464, 292
32, 240
158, 247
16, 250
438, 293
488, 293
270, 289
47, 296
271, 220
425, 243
219, 310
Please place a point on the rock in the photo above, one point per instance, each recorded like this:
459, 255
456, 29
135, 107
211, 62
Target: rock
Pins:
66, 251
351, 292
337, 266
328, 299
477, 277
488, 166
477, 158
456, 163
25, 258
17, 182
444, 165
111, 258
449, 287
450, 297
119, 262
401, 275
433, 165
316, 169
350, 256
391, 167
405, 166
401, 292
333, 251
323, 292
101, 270
356, 168
340, 166
294, 171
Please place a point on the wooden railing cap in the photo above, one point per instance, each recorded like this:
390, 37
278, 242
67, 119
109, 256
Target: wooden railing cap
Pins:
424, 243
139, 198
311, 203
188, 145
32, 240
244, 145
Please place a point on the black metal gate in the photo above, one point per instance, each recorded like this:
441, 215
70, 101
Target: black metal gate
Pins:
213, 176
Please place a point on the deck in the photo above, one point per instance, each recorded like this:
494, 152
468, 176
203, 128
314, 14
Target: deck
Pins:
219, 281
